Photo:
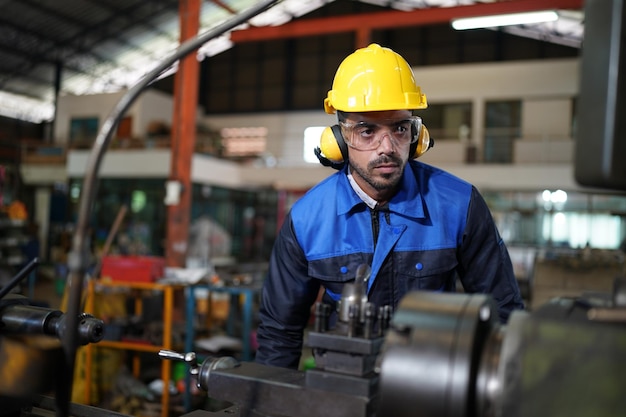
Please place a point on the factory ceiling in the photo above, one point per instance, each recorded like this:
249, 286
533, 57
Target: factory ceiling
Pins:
50, 47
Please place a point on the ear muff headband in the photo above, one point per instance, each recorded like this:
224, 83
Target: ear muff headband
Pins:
415, 145
335, 150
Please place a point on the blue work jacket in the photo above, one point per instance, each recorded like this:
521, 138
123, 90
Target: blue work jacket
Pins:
435, 229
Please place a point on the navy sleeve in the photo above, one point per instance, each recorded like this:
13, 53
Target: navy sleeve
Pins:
286, 300
485, 265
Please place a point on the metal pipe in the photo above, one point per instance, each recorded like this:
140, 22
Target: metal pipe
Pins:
17, 278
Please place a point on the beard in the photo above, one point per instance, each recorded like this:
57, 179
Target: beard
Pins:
381, 182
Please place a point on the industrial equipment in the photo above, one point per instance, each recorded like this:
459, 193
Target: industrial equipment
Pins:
440, 354
443, 355
31, 352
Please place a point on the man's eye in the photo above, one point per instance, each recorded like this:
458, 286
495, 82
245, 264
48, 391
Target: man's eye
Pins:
366, 131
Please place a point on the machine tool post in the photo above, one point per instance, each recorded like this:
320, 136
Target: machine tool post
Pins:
189, 358
384, 316
322, 312
368, 326
354, 313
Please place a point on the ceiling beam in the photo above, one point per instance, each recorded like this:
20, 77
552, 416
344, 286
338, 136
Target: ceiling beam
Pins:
394, 19
224, 6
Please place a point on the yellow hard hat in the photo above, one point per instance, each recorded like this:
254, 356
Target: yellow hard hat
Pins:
374, 79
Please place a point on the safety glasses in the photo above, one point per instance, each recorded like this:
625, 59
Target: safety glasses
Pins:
367, 136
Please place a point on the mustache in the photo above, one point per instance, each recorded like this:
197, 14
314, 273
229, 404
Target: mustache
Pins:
385, 159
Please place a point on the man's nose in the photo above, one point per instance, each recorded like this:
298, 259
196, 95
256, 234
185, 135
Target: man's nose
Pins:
387, 143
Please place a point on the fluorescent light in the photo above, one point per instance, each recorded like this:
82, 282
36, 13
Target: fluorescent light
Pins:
24, 108
504, 20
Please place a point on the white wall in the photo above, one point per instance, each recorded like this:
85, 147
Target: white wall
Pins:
546, 118
546, 89
145, 163
154, 163
152, 106
285, 130
71, 106
530, 81
499, 80
149, 106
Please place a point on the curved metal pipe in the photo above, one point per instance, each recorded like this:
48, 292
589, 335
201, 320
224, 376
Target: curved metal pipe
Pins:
78, 256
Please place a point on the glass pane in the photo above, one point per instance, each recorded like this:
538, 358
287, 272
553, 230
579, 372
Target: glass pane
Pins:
448, 120
502, 127
555, 218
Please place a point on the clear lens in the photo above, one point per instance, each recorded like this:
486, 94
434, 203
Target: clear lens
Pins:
367, 136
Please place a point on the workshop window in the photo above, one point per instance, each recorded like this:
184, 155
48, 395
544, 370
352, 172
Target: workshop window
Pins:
448, 120
83, 131
502, 127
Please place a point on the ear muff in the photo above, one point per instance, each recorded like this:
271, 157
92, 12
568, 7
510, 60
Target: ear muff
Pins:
423, 143
332, 144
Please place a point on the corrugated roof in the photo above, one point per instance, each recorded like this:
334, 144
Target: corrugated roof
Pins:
95, 46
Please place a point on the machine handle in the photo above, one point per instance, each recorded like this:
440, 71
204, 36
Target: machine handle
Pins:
189, 358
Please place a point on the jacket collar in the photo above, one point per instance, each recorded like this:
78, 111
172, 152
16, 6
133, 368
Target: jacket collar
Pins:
407, 202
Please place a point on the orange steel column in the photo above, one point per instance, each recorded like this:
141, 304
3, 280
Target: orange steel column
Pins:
183, 138
166, 365
363, 37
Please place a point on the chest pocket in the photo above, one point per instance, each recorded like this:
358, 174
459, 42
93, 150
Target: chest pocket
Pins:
334, 272
430, 270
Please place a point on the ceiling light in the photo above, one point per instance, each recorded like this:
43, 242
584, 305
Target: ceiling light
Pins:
504, 20
24, 108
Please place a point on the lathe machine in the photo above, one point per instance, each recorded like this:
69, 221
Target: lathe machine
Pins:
442, 355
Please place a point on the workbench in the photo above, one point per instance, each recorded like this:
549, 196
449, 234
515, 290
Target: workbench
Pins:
236, 292
237, 310
168, 291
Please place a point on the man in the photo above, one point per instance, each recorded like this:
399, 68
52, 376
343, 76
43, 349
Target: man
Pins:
416, 226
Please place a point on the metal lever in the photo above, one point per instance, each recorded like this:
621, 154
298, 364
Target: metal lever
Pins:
189, 358
23, 273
